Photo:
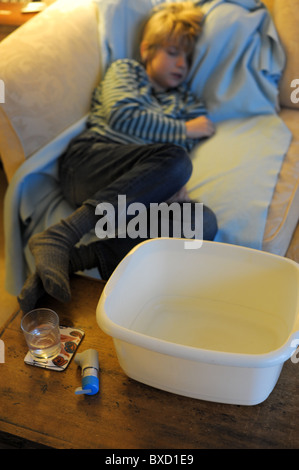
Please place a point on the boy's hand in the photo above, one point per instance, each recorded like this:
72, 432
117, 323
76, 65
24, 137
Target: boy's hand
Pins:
199, 127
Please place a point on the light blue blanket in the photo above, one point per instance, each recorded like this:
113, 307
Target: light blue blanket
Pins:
235, 173
238, 60
236, 69
238, 63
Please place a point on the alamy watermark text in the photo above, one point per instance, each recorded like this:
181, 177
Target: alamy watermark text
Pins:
2, 358
178, 220
295, 93
2, 91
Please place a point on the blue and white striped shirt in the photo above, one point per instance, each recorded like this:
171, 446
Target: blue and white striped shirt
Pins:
126, 109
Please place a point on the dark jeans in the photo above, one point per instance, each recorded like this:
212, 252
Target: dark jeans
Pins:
94, 171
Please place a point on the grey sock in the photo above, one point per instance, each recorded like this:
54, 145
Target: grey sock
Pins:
83, 257
89, 256
32, 290
51, 250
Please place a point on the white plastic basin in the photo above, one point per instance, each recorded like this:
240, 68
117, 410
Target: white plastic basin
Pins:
215, 323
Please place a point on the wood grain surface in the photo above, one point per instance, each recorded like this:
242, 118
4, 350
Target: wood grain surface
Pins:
39, 406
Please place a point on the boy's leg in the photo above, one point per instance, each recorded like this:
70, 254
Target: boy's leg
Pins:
101, 171
106, 255
51, 250
143, 174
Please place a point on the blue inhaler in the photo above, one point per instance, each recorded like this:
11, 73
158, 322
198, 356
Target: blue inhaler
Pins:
89, 363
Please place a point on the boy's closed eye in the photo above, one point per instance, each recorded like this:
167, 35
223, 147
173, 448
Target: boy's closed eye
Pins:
173, 51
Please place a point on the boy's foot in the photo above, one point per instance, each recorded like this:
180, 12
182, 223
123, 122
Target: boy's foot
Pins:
32, 290
51, 256
51, 250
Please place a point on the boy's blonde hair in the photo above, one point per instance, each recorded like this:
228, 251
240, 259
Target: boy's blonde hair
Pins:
177, 23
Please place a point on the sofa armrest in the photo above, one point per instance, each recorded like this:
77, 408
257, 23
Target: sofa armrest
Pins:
286, 18
285, 15
49, 67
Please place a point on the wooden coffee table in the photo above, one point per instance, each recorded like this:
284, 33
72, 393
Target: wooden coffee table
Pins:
39, 408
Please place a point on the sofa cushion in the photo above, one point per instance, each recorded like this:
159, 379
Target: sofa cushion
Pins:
286, 18
55, 87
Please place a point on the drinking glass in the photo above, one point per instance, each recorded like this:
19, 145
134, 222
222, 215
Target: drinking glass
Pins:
42, 334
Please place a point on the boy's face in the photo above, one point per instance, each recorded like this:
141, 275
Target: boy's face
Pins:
168, 68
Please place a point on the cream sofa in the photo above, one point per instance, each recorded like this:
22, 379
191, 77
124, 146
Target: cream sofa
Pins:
50, 66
